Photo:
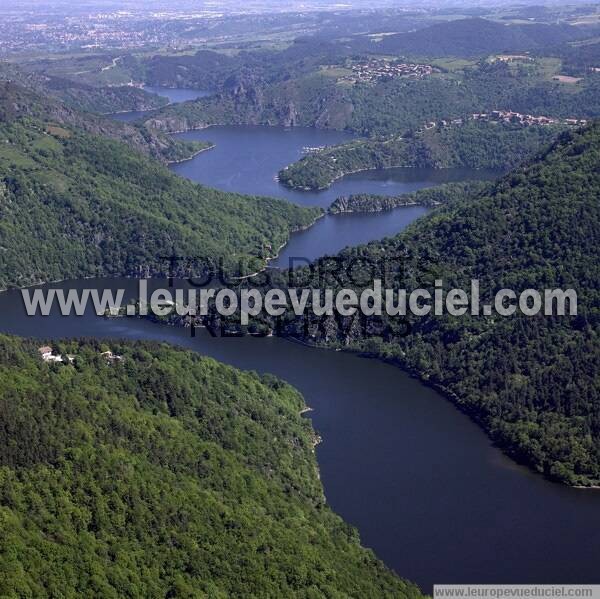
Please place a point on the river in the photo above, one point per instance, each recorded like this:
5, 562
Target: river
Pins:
246, 159
422, 483
175, 96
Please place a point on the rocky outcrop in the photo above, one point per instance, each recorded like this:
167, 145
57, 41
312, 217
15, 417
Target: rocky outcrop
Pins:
172, 124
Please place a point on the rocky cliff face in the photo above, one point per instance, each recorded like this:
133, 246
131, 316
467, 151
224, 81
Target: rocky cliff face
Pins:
172, 124
248, 102
290, 117
335, 114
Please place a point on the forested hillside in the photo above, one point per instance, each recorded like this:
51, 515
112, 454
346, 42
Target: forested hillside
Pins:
531, 382
477, 37
25, 96
164, 474
74, 204
474, 145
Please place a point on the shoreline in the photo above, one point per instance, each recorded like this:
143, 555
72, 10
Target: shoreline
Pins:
278, 251
445, 393
196, 153
136, 278
405, 205
345, 174
190, 129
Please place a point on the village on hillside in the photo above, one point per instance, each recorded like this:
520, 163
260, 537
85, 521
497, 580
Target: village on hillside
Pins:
509, 117
376, 69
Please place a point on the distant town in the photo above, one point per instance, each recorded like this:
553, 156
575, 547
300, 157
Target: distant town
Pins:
375, 70
507, 116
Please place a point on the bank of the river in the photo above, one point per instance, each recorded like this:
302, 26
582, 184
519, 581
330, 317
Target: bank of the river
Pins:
209, 146
423, 484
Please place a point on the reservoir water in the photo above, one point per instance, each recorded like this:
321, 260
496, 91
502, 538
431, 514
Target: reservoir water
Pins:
174, 95
246, 159
422, 483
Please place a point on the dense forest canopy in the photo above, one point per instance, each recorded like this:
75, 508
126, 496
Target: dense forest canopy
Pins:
73, 204
531, 382
159, 473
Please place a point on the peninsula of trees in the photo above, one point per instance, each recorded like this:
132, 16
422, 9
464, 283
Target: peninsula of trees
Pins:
474, 145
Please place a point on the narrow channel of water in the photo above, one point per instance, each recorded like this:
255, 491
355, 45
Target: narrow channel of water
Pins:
175, 96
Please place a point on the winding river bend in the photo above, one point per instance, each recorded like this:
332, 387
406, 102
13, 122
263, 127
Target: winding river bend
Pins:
421, 482
246, 159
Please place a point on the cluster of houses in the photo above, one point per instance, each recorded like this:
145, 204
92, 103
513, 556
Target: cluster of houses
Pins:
374, 70
509, 116
513, 58
506, 116
48, 355
443, 123
312, 149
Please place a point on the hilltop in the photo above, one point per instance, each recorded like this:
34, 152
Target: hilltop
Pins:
477, 37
